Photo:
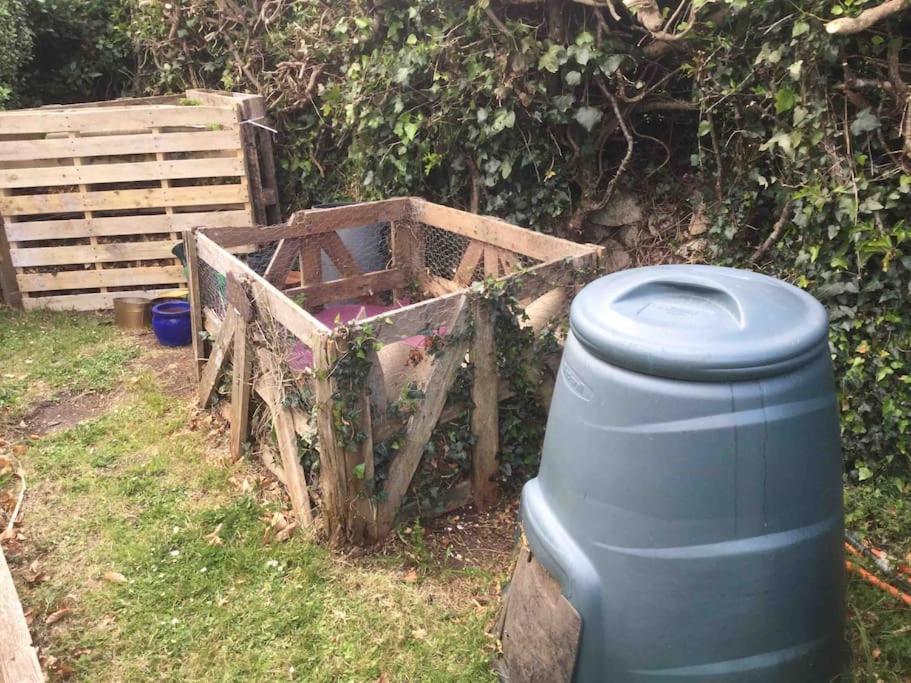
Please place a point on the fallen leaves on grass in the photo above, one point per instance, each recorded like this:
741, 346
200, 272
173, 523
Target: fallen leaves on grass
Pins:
214, 538
114, 577
54, 617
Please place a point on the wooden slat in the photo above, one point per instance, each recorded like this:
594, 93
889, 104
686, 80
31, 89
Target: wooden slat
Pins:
123, 225
90, 279
268, 298
110, 145
111, 200
338, 253
221, 351
86, 302
87, 253
242, 370
415, 319
496, 232
367, 284
422, 423
47, 176
281, 261
469, 263
18, 659
484, 412
315, 221
196, 311
9, 288
113, 118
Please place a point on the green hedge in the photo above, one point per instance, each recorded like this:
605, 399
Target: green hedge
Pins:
15, 49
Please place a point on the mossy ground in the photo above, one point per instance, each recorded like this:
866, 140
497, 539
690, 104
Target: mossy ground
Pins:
145, 491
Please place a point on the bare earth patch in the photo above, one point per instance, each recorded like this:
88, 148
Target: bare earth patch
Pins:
64, 411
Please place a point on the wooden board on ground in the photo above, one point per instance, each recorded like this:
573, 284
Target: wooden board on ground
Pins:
89, 194
18, 659
540, 628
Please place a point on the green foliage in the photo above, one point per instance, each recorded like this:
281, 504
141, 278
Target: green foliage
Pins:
82, 51
812, 131
15, 48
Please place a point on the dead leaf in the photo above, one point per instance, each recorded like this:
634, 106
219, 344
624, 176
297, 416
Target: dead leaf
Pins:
54, 617
214, 538
876, 653
286, 533
419, 634
115, 577
383, 678
411, 576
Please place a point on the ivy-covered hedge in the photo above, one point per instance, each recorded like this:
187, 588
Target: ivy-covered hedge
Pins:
789, 138
15, 49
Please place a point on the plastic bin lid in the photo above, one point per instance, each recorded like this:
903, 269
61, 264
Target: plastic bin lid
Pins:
702, 323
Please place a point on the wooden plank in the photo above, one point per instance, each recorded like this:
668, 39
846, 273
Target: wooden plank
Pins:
111, 200
221, 351
540, 628
567, 272
465, 272
91, 279
338, 253
316, 221
126, 172
87, 302
196, 310
241, 379
18, 658
114, 118
281, 261
269, 386
408, 254
354, 287
415, 319
439, 286
420, 426
484, 413
87, 253
268, 297
491, 262
311, 261
9, 287
111, 145
106, 226
333, 469
495, 232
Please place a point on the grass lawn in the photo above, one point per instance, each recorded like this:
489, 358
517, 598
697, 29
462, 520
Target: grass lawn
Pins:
147, 553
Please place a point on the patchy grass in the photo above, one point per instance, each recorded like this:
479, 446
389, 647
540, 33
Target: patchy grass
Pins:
141, 493
879, 626
144, 491
44, 352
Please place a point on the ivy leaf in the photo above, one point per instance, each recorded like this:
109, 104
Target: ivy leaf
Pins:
864, 473
359, 470
572, 77
785, 99
800, 27
588, 117
563, 102
550, 60
505, 118
612, 63
704, 128
410, 129
865, 122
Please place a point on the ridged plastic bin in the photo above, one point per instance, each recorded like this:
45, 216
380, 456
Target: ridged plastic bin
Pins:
689, 500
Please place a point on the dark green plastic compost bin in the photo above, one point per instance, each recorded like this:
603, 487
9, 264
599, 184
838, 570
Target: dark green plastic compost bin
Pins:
689, 501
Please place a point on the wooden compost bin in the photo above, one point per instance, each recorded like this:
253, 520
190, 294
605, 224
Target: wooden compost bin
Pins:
94, 196
339, 313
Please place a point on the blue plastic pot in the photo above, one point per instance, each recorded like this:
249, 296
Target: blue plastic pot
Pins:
171, 323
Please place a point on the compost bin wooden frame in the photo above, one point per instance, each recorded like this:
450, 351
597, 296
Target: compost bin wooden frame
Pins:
94, 196
350, 509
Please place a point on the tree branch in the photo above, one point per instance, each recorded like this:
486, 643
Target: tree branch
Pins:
777, 231
866, 19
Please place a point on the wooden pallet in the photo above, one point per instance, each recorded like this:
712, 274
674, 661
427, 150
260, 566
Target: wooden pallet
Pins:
94, 197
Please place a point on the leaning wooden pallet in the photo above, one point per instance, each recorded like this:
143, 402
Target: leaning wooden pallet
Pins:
354, 325
94, 197
18, 658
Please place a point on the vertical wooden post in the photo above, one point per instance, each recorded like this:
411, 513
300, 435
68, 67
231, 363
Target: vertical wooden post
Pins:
408, 252
196, 312
484, 414
9, 288
333, 474
243, 368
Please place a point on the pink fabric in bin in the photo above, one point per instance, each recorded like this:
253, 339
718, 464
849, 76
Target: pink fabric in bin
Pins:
301, 356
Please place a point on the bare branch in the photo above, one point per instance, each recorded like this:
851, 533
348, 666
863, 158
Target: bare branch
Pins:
867, 18
777, 231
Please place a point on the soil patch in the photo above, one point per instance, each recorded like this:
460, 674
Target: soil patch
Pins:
171, 366
64, 411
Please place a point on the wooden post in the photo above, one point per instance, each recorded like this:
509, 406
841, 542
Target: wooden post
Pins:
221, 351
484, 414
333, 474
9, 288
243, 367
408, 253
196, 313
